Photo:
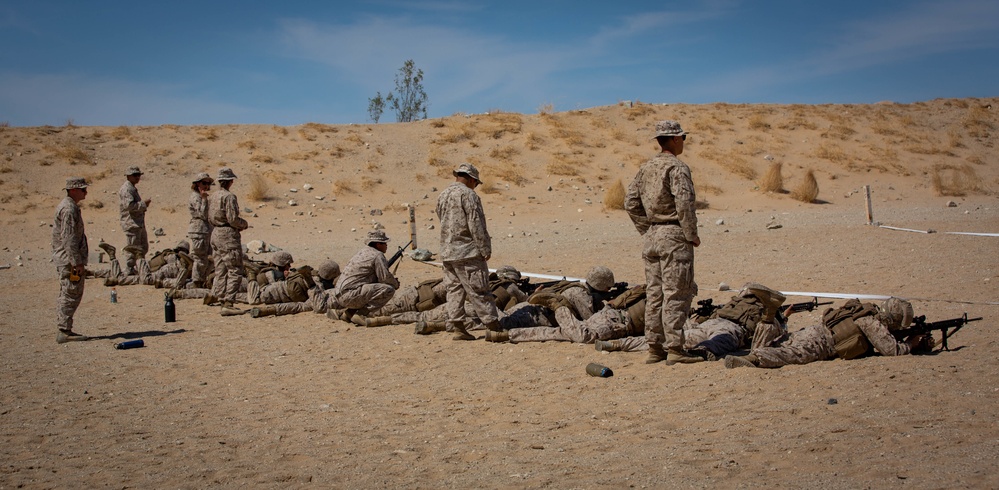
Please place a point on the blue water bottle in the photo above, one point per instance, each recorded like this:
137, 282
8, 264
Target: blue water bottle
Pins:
114, 295
130, 344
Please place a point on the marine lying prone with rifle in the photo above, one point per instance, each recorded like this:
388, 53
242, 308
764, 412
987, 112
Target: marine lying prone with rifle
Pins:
921, 328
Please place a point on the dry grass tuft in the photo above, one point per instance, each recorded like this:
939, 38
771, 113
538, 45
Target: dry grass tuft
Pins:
758, 123
952, 180
342, 186
773, 180
248, 144
638, 110
455, 130
121, 132
504, 153
503, 122
368, 183
319, 128
547, 108
208, 133
832, 153
614, 195
732, 162
534, 141
510, 172
262, 158
712, 189
561, 165
160, 152
281, 130
74, 155
808, 189
305, 135
259, 188
978, 122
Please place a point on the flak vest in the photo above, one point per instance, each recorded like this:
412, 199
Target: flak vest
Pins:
634, 301
849, 341
426, 300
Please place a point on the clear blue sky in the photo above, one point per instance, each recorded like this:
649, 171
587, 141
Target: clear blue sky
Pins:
110, 62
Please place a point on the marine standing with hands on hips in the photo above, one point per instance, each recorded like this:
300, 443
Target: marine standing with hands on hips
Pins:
660, 202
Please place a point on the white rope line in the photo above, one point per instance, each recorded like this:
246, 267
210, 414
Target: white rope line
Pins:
934, 231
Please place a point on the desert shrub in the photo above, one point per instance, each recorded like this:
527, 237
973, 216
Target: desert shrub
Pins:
455, 130
701, 189
546, 108
808, 189
343, 186
74, 155
368, 183
320, 128
638, 110
262, 158
259, 188
832, 153
559, 166
978, 122
773, 180
534, 141
248, 144
758, 123
160, 152
952, 180
305, 135
208, 133
281, 130
614, 196
121, 132
977, 160
504, 153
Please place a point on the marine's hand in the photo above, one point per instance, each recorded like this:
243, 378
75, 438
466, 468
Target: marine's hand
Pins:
696, 241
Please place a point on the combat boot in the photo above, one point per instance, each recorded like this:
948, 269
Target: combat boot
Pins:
359, 320
108, 249
210, 300
607, 345
263, 310
656, 354
427, 328
500, 336
69, 336
231, 311
110, 281
493, 326
748, 360
460, 333
674, 356
378, 321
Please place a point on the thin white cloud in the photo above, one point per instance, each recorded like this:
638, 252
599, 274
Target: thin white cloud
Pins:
925, 28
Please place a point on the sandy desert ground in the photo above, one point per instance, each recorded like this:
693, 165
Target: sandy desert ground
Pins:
305, 401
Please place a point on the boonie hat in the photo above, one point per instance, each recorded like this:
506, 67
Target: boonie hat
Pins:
377, 236
225, 173
202, 176
668, 128
469, 170
133, 170
76, 183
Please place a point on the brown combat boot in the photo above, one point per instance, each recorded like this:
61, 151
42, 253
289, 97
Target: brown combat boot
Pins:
378, 321
263, 310
209, 300
69, 336
674, 356
656, 354
427, 328
108, 249
460, 333
500, 336
359, 320
748, 360
493, 326
232, 311
607, 345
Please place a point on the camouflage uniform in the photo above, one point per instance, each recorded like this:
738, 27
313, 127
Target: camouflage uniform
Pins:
223, 214
406, 300
69, 249
465, 247
366, 282
199, 233
608, 323
133, 223
660, 202
815, 343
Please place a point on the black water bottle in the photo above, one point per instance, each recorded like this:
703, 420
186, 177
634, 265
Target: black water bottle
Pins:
169, 310
130, 344
598, 370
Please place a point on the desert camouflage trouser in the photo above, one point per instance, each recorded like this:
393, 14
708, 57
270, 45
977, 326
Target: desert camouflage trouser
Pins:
718, 336
810, 344
669, 274
570, 328
228, 274
70, 296
403, 300
201, 251
137, 242
369, 296
468, 279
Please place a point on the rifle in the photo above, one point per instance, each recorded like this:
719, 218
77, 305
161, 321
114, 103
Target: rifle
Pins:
398, 254
705, 308
920, 327
805, 306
